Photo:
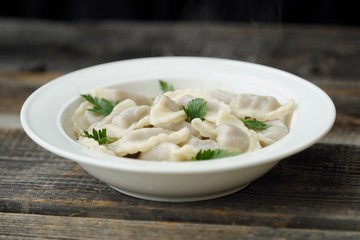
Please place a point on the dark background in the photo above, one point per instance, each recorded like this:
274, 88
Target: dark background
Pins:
334, 12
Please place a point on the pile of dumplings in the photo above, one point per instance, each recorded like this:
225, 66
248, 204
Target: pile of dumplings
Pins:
157, 128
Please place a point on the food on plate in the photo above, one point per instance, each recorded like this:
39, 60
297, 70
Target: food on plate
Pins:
179, 124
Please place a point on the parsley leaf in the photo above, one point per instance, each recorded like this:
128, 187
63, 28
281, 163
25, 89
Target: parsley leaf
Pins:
99, 136
196, 108
254, 124
213, 154
102, 106
166, 87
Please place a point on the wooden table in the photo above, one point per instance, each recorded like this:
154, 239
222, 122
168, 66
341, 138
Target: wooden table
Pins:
312, 195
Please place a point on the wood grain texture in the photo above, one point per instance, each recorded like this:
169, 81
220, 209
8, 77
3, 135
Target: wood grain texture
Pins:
315, 189
14, 226
313, 52
15, 87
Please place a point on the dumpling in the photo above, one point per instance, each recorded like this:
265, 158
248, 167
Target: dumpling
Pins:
202, 144
129, 119
235, 127
168, 151
275, 132
179, 125
83, 118
94, 145
184, 100
205, 128
116, 110
131, 116
214, 108
165, 112
255, 106
142, 140
262, 108
283, 113
106, 121
232, 138
183, 96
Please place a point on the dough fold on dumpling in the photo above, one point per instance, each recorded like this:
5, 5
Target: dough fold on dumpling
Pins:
120, 107
202, 144
255, 106
213, 105
205, 128
183, 96
141, 140
214, 108
127, 120
83, 118
168, 151
275, 132
91, 143
262, 108
230, 119
283, 113
179, 125
165, 112
233, 138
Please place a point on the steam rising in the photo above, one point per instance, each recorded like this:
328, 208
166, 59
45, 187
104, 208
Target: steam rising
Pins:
200, 30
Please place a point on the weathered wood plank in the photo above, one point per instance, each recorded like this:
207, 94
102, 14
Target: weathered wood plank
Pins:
10, 121
315, 189
14, 226
69, 46
15, 87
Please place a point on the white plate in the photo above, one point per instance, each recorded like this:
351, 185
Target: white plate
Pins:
45, 117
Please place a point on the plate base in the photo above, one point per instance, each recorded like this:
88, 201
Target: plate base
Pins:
160, 198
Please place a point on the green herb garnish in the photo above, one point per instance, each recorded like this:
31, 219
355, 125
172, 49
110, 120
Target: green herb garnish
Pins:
254, 124
213, 154
99, 136
196, 108
165, 86
102, 106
